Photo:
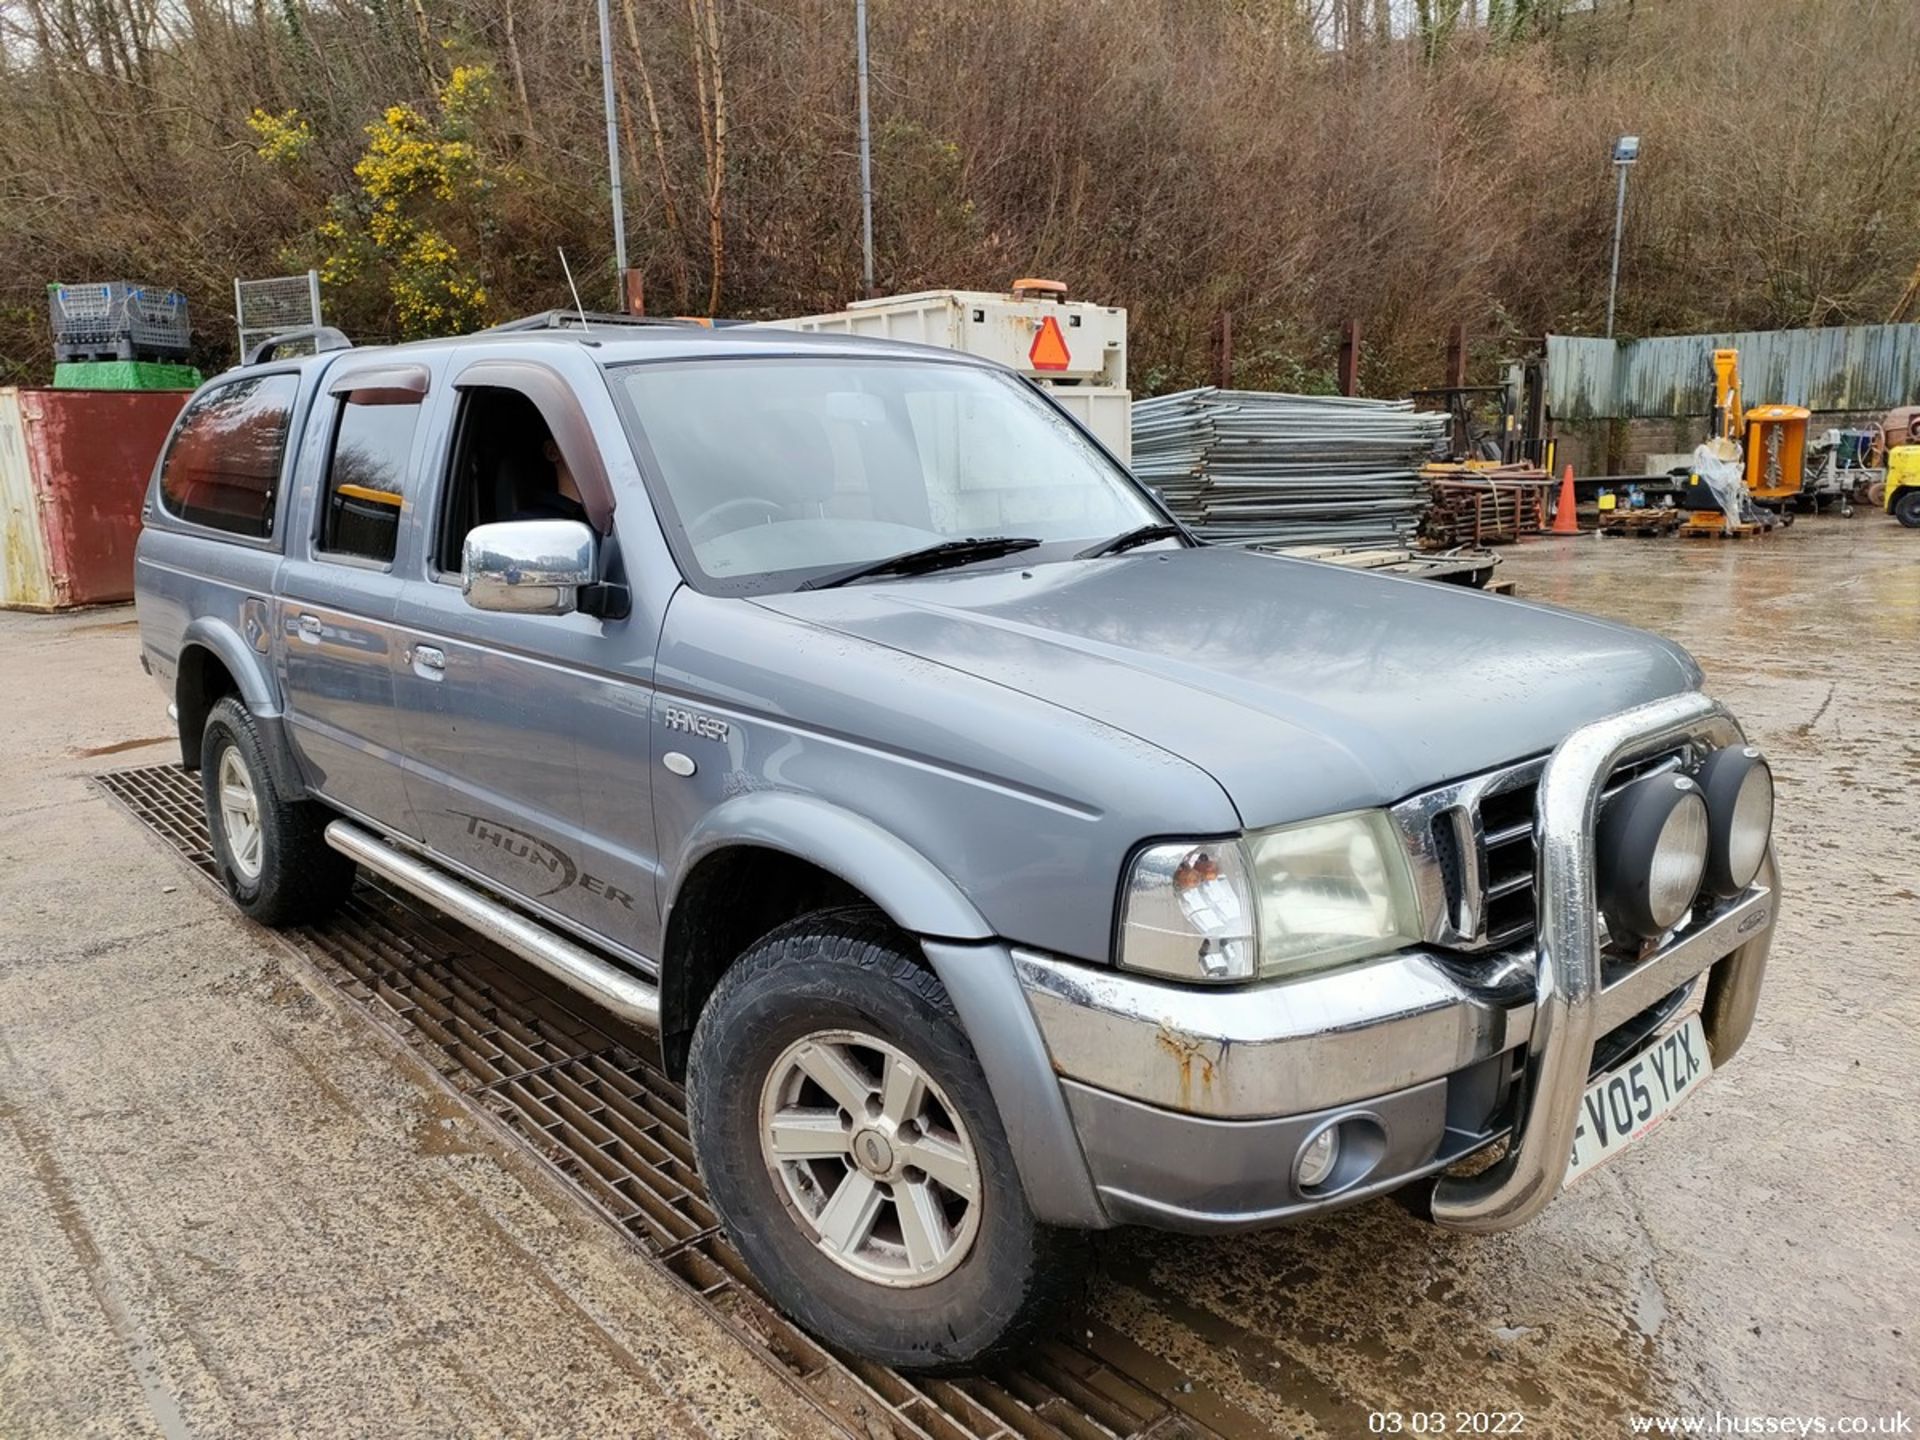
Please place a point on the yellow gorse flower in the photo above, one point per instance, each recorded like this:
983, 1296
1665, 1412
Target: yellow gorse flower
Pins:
415, 173
282, 138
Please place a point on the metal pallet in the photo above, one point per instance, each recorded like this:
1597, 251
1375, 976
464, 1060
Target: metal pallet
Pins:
585, 1094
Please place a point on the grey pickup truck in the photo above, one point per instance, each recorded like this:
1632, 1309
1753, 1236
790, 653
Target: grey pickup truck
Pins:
994, 862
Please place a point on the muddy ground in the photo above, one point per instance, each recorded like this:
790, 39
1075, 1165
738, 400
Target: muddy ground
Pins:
228, 1205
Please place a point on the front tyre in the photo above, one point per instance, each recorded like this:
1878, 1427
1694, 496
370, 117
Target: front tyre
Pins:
269, 852
853, 1149
1906, 509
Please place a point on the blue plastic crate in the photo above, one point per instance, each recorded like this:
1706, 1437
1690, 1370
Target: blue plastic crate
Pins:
117, 320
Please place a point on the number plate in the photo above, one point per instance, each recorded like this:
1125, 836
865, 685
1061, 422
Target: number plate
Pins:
1629, 1102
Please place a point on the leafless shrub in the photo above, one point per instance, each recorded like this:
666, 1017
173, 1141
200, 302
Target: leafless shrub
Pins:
1300, 162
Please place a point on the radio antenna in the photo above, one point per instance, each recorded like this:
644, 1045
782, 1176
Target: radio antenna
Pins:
567, 270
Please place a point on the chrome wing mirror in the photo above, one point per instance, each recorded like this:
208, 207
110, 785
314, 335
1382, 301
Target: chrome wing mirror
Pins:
527, 567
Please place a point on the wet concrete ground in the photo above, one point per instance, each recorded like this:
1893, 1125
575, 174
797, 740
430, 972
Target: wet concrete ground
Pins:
231, 1207
227, 1206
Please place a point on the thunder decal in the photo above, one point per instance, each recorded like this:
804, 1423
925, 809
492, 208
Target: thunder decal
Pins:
551, 861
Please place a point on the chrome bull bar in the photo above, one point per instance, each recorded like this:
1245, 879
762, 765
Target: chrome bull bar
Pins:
1568, 981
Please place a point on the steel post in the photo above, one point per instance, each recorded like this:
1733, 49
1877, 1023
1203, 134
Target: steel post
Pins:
1619, 214
866, 154
613, 144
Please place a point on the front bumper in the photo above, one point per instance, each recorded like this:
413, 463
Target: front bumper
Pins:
1191, 1102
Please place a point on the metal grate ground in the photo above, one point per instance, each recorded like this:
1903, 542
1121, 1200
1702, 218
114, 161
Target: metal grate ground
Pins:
585, 1093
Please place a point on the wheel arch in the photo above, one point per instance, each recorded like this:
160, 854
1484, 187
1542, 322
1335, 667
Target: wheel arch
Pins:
214, 662
761, 859
914, 892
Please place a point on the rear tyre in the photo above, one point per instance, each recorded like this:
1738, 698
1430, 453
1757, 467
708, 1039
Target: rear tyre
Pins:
269, 852
1906, 509
851, 1145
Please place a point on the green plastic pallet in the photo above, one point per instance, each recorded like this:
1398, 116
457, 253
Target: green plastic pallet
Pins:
124, 375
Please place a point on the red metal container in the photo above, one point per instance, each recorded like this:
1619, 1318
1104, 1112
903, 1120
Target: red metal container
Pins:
74, 466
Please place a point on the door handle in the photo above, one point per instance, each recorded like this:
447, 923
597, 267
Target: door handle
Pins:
429, 662
310, 628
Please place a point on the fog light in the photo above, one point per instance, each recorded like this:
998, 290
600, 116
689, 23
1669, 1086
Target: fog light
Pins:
1653, 853
1739, 791
1318, 1156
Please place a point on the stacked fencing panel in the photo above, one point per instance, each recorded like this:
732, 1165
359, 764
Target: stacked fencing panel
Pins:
1247, 467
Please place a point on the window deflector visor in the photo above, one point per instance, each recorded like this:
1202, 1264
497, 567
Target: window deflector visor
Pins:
552, 395
381, 385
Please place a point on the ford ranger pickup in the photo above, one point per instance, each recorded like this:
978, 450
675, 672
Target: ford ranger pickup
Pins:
994, 862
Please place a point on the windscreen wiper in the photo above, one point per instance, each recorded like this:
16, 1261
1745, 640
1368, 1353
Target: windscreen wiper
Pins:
944, 556
1139, 535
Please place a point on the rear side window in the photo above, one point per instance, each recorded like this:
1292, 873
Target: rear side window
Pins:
223, 468
367, 480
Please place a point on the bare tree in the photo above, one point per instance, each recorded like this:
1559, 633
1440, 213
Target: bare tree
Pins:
1177, 159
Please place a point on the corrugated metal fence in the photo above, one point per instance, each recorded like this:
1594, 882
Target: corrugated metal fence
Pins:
1857, 367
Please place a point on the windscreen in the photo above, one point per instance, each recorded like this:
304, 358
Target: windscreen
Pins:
780, 470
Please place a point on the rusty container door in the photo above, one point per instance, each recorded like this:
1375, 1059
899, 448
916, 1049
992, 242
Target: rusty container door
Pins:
74, 466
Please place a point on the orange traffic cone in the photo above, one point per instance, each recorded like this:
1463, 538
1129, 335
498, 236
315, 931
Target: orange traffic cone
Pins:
1564, 520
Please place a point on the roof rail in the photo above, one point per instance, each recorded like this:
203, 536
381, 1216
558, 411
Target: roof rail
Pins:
324, 338
574, 319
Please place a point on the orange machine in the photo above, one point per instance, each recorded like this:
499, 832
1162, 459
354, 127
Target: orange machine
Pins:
1772, 440
1776, 446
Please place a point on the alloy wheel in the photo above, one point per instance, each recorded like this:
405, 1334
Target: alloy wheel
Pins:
240, 814
873, 1160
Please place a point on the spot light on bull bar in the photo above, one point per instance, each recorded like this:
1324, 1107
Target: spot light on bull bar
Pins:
1665, 838
1653, 854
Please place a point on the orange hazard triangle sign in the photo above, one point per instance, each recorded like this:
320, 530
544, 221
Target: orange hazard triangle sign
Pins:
1049, 350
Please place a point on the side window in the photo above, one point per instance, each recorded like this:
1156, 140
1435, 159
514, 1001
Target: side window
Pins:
223, 467
367, 479
505, 467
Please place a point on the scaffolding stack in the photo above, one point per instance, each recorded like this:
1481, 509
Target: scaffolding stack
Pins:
1480, 504
1249, 467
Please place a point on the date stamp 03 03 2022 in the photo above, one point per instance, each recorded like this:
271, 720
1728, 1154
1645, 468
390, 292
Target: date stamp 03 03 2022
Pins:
1513, 1422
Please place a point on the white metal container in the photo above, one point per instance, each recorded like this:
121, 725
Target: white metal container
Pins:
1107, 412
1076, 349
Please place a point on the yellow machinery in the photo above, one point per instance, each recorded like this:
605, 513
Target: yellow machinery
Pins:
1903, 485
1773, 441
1726, 394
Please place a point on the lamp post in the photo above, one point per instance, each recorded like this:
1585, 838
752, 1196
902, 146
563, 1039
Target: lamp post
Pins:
1626, 150
866, 154
613, 148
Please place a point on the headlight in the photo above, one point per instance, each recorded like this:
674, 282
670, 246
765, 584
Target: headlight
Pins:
1332, 890
1738, 788
1652, 845
1295, 898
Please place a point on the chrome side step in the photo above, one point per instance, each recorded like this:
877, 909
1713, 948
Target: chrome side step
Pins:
630, 998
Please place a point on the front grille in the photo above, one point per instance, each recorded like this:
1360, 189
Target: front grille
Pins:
1506, 847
